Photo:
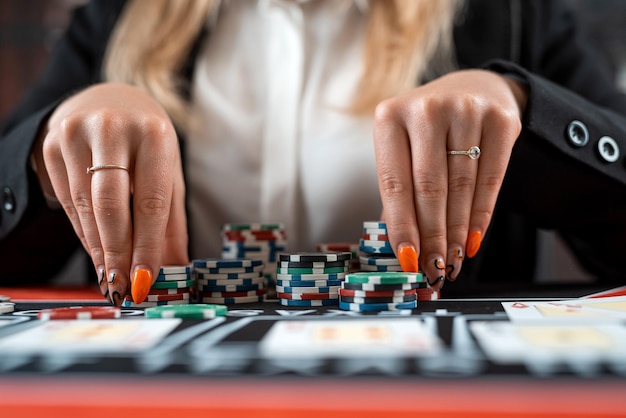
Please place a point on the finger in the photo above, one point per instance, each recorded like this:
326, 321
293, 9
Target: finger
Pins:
497, 139
59, 179
462, 171
175, 245
430, 181
395, 182
153, 186
110, 190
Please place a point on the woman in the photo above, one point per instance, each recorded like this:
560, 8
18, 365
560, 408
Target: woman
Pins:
275, 103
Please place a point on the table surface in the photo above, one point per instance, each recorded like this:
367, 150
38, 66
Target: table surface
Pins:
205, 367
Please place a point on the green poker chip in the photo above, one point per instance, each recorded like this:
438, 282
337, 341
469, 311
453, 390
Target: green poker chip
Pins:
384, 278
195, 311
174, 284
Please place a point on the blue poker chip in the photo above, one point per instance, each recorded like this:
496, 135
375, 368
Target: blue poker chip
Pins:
309, 283
376, 250
310, 277
308, 303
226, 263
231, 288
376, 307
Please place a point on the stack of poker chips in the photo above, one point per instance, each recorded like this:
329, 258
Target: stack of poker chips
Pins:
258, 241
227, 282
311, 279
340, 247
173, 286
376, 252
380, 291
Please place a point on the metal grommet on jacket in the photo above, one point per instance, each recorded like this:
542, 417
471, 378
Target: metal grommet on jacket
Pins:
8, 200
577, 133
608, 149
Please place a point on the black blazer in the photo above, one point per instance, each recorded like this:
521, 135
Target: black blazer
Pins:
550, 183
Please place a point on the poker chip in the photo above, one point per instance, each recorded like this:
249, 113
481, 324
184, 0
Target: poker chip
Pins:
196, 311
378, 299
258, 292
236, 300
311, 277
376, 250
256, 226
6, 307
325, 258
374, 243
377, 260
376, 307
375, 231
226, 282
427, 294
173, 284
127, 303
4, 298
383, 287
307, 303
166, 270
175, 277
231, 288
374, 225
308, 283
306, 296
174, 291
224, 263
394, 268
229, 276
375, 294
312, 264
375, 237
324, 289
80, 312
328, 270
384, 278
163, 298
228, 270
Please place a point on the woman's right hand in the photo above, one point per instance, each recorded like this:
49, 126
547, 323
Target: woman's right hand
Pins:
127, 239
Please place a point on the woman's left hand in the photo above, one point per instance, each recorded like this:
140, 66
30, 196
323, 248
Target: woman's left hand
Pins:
438, 205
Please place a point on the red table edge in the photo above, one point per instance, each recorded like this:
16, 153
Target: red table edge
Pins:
162, 396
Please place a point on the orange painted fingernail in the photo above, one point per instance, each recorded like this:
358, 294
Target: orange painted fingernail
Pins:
408, 258
473, 243
140, 285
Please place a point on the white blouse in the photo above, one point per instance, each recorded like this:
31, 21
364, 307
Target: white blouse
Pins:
274, 143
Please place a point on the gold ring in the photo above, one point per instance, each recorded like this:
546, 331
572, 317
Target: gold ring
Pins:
473, 152
93, 169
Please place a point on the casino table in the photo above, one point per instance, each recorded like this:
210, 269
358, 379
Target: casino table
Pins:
218, 367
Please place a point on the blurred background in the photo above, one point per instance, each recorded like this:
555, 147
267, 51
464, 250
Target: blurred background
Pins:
30, 28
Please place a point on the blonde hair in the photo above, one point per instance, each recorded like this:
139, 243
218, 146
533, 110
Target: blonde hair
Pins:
151, 42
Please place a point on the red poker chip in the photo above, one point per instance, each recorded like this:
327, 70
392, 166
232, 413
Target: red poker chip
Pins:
375, 293
163, 298
260, 235
337, 247
306, 296
81, 312
375, 237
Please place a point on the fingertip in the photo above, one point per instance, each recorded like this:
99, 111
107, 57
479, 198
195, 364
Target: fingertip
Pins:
474, 240
407, 255
140, 284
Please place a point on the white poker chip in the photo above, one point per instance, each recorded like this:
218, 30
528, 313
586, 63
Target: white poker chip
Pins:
4, 298
6, 307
